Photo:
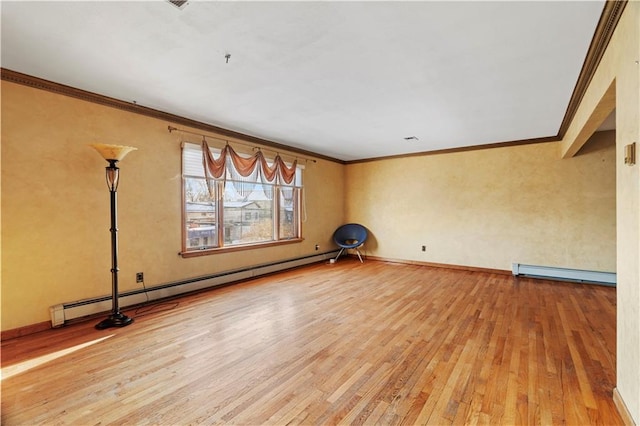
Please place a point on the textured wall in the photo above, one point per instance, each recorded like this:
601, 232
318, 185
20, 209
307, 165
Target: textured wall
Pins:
627, 43
55, 205
620, 67
492, 207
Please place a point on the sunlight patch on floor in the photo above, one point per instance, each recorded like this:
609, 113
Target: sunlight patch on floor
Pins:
23, 366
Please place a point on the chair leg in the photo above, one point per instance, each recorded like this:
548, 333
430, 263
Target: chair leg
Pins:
358, 251
339, 253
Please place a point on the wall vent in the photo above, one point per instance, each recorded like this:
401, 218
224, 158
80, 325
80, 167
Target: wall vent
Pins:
180, 4
72, 310
565, 274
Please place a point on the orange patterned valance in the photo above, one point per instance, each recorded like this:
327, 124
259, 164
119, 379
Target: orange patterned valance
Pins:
216, 168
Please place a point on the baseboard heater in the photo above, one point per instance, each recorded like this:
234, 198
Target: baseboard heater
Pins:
565, 274
73, 310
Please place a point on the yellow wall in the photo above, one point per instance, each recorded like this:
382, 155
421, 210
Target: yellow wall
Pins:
55, 205
483, 208
493, 207
620, 69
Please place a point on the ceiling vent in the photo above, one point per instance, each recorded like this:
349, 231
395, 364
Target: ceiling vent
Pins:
180, 4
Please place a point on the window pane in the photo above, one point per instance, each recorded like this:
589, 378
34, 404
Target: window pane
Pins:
288, 213
200, 215
248, 212
243, 208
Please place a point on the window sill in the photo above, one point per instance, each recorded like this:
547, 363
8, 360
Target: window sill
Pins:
243, 247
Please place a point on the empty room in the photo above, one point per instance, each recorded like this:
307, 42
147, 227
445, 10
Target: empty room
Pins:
320, 212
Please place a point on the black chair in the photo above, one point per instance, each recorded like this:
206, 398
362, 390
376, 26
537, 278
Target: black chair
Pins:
350, 236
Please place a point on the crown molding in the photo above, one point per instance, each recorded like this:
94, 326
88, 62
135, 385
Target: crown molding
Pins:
609, 18
50, 86
461, 149
604, 31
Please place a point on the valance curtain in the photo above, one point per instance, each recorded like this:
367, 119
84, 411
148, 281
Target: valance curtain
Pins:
249, 168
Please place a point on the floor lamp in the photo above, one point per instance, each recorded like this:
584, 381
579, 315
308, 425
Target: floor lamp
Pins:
113, 154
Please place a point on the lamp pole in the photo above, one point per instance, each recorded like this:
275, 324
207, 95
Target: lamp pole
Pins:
113, 153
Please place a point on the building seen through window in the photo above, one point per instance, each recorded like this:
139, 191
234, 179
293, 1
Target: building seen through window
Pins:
234, 212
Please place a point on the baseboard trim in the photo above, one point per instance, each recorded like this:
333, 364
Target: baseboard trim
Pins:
24, 331
64, 313
34, 328
622, 408
437, 265
129, 300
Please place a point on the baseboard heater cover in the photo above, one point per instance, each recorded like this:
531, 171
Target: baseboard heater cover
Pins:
565, 274
73, 310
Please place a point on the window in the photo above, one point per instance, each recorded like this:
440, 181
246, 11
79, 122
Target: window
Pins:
235, 210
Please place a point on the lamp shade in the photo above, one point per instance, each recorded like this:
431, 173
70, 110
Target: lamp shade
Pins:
112, 152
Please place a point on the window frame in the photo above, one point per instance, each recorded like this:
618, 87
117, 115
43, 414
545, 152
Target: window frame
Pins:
219, 215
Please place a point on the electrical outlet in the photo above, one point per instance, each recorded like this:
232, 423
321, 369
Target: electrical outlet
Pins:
424, 248
317, 247
139, 277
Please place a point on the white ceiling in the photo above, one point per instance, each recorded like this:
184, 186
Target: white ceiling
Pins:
349, 80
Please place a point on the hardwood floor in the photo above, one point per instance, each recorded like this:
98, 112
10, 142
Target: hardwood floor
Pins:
349, 343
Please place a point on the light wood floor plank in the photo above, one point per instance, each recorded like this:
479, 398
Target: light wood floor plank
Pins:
348, 343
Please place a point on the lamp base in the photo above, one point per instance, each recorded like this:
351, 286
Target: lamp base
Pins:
114, 320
